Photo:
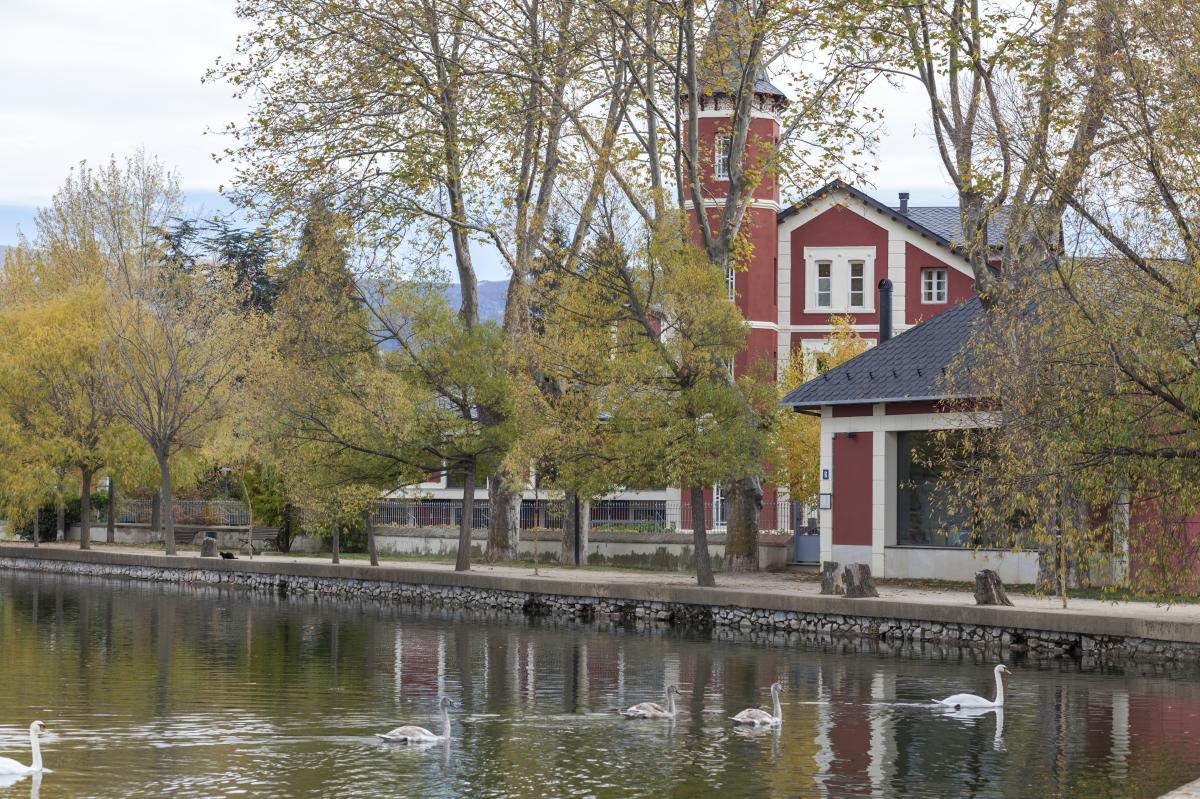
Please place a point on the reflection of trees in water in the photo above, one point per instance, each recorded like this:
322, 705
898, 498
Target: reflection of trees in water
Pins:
150, 653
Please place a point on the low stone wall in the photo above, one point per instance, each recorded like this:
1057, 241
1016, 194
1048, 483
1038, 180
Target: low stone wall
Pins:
1043, 634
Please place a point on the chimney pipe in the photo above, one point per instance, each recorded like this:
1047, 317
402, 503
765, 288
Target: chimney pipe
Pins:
885, 310
904, 203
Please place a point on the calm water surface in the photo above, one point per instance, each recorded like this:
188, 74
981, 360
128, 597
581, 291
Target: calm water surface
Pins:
163, 691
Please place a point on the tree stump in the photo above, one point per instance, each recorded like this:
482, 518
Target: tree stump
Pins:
989, 590
833, 581
858, 581
208, 547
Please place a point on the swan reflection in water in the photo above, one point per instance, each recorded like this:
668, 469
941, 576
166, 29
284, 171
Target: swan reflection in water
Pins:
35, 783
972, 714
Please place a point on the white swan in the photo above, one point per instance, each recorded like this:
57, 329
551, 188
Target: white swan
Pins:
653, 710
411, 734
10, 766
971, 700
761, 718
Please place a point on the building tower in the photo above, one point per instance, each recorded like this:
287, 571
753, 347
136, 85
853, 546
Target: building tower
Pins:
753, 284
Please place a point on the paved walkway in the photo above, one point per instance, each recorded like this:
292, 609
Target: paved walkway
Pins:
772, 585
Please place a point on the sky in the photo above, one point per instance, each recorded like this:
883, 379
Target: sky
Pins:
85, 80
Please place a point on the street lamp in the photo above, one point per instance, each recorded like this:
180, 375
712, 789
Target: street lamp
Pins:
225, 470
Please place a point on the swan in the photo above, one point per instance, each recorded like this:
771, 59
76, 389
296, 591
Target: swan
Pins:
971, 700
653, 710
10, 766
411, 734
761, 718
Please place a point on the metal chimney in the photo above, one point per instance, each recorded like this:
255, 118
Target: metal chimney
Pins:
904, 203
885, 309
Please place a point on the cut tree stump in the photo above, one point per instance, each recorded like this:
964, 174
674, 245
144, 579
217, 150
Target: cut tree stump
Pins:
833, 580
989, 590
858, 581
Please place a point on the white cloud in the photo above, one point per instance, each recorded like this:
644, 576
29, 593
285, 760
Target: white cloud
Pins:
85, 80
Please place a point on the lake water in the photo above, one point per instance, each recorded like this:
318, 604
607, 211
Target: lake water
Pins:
155, 691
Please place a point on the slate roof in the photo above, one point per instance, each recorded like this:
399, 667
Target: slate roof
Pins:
908, 367
947, 222
940, 224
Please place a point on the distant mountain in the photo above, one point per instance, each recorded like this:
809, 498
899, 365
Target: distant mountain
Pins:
492, 296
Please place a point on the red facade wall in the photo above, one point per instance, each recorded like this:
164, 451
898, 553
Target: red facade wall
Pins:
761, 140
837, 227
852, 489
755, 286
959, 286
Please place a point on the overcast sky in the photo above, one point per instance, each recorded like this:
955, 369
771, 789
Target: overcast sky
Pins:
85, 79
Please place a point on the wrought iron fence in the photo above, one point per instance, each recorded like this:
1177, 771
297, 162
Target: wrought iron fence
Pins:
640, 516
212, 512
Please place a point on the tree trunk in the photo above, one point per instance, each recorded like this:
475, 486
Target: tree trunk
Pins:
504, 523
370, 527
166, 510
577, 519
110, 532
37, 531
989, 590
335, 544
61, 513
85, 508
156, 512
743, 501
462, 563
704, 572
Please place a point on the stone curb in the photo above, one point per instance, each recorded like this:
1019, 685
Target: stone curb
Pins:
1045, 631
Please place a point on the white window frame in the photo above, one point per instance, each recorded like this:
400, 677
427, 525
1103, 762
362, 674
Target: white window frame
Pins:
840, 259
929, 287
828, 291
731, 283
722, 155
850, 290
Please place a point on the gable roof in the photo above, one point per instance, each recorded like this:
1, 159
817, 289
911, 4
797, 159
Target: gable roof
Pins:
941, 224
909, 367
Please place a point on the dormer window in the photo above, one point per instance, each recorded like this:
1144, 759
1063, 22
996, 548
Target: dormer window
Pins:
839, 280
722, 151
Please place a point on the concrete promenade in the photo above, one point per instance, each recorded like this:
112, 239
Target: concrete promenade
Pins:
765, 591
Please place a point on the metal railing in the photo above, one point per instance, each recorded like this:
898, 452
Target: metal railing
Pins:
211, 512
640, 516
629, 515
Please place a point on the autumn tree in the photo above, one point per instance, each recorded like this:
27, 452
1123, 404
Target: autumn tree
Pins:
637, 341
1091, 359
496, 94
177, 334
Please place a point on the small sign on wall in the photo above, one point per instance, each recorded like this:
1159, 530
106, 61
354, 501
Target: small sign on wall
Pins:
824, 474
825, 501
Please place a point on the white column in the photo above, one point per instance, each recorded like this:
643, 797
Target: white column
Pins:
878, 495
897, 273
783, 278
824, 515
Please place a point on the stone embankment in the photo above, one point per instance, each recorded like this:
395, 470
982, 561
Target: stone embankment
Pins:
1039, 633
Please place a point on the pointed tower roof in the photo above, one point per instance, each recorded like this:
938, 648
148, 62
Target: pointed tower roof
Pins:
722, 59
